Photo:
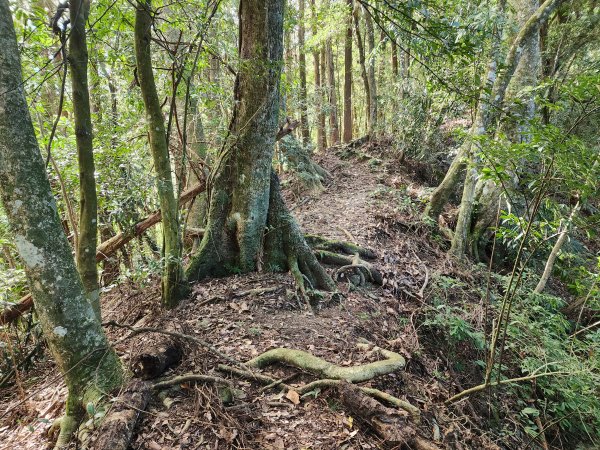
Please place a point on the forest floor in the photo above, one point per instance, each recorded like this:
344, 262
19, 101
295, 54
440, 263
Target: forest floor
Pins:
371, 200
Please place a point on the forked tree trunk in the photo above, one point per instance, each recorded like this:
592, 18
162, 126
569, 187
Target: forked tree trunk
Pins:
525, 77
441, 194
249, 228
88, 205
304, 130
173, 280
71, 328
347, 129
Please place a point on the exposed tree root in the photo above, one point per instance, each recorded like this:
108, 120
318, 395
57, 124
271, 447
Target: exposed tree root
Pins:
272, 383
116, 430
354, 269
190, 378
306, 361
388, 423
321, 243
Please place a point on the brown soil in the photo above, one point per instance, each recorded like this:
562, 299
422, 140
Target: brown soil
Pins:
371, 201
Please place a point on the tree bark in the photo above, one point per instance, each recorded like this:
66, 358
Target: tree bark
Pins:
394, 48
562, 237
332, 90
347, 131
371, 74
488, 116
88, 204
70, 325
173, 280
525, 76
304, 130
319, 82
248, 226
363, 67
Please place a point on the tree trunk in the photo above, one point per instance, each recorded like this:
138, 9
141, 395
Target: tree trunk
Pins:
363, 68
348, 77
88, 205
173, 281
441, 194
319, 75
371, 73
332, 89
70, 325
394, 48
249, 227
323, 97
304, 130
562, 237
197, 212
525, 76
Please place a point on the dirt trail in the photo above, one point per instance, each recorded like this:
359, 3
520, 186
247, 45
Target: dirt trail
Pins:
243, 316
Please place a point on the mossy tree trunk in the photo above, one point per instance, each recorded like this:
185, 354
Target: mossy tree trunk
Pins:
71, 327
173, 280
522, 110
88, 204
249, 228
488, 115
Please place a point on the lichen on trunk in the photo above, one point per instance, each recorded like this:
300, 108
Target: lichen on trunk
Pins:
74, 334
248, 227
173, 281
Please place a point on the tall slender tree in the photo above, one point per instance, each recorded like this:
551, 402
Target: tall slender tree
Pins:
370, 61
88, 204
319, 83
173, 280
73, 331
348, 121
304, 128
334, 126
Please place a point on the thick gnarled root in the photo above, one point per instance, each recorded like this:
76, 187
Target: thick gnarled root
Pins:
306, 361
354, 270
321, 243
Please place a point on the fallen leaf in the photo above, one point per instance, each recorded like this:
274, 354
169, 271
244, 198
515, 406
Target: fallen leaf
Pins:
293, 397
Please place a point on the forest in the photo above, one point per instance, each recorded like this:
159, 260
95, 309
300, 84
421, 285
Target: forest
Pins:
300, 224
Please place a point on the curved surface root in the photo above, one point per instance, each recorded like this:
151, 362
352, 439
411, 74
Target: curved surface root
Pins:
321, 243
304, 360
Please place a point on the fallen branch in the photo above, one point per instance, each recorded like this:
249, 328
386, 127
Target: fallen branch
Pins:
481, 387
104, 250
